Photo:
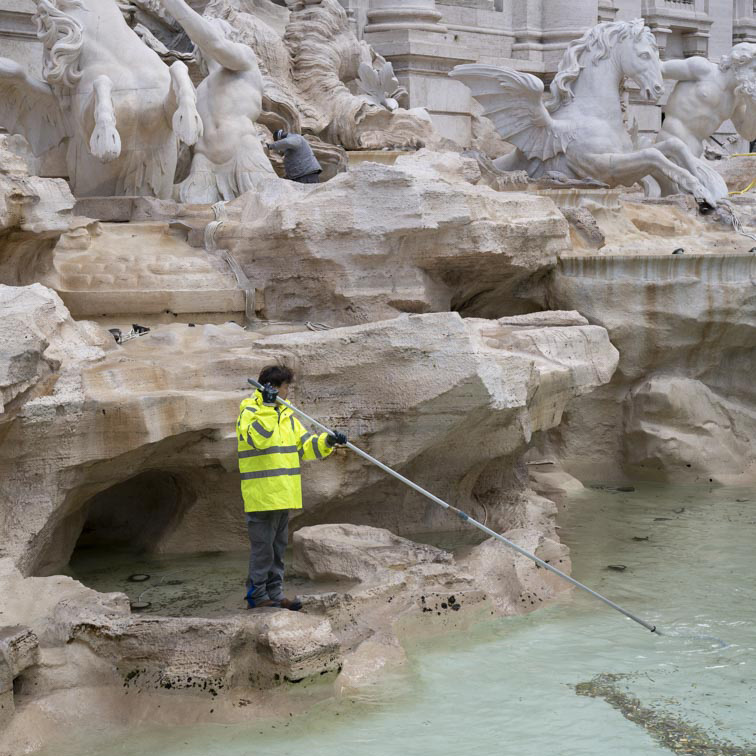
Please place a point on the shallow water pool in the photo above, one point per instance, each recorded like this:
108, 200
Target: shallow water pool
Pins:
574, 679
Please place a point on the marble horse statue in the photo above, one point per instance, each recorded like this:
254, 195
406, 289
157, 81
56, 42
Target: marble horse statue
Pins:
117, 106
579, 131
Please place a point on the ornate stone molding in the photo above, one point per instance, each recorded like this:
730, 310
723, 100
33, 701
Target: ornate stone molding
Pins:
15, 24
689, 17
392, 15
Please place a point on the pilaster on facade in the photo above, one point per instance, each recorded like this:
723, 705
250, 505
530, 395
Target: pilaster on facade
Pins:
18, 35
687, 20
544, 28
607, 10
744, 22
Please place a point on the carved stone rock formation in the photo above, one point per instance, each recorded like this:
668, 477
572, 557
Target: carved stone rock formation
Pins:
381, 240
141, 418
133, 444
677, 427
34, 214
38, 337
738, 172
681, 406
357, 552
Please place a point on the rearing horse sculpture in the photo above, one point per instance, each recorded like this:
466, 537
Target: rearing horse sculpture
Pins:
118, 105
579, 131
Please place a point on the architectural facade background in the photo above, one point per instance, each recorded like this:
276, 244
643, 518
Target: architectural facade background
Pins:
424, 39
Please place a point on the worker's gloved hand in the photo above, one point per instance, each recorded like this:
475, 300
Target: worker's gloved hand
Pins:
336, 438
269, 394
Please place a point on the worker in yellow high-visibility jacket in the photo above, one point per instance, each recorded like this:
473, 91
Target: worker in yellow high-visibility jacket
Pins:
272, 443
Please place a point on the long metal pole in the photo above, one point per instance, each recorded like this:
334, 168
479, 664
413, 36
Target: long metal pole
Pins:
464, 516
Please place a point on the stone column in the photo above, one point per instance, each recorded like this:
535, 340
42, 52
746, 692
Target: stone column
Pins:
411, 34
392, 15
562, 22
527, 20
356, 10
544, 28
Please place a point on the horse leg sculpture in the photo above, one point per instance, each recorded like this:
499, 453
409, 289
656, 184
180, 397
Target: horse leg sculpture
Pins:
678, 152
187, 124
628, 168
105, 142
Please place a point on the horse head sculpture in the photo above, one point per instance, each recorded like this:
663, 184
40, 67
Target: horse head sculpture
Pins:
629, 46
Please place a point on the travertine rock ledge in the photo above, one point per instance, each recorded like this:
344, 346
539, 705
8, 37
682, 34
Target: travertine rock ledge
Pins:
682, 405
416, 236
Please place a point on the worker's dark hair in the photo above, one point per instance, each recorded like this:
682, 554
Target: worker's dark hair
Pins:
276, 374
280, 134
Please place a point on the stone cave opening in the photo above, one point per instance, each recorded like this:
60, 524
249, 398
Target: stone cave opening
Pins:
136, 514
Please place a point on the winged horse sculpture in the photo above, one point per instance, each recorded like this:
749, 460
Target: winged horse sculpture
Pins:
120, 108
579, 131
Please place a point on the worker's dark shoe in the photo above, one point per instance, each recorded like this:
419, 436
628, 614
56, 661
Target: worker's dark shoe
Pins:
268, 603
258, 604
293, 605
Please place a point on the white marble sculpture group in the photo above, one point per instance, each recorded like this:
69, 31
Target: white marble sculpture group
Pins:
116, 104
579, 131
120, 111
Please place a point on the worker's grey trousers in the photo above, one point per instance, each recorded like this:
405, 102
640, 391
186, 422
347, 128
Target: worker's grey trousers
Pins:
268, 537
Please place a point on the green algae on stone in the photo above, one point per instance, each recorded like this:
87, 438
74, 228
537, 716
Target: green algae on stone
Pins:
671, 732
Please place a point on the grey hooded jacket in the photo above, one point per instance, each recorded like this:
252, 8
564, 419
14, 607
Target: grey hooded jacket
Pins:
299, 159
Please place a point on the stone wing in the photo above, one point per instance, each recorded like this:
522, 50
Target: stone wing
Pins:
514, 102
29, 107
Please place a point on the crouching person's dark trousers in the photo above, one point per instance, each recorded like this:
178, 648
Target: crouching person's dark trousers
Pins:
310, 178
268, 537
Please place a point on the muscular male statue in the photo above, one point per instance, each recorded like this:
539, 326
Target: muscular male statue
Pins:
229, 159
708, 94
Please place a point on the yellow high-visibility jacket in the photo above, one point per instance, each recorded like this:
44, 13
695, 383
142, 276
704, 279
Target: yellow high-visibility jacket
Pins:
272, 442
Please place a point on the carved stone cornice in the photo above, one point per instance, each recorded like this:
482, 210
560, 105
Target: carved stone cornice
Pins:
744, 30
686, 16
17, 24
680, 14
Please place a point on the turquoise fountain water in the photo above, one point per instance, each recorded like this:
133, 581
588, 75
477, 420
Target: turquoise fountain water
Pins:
574, 679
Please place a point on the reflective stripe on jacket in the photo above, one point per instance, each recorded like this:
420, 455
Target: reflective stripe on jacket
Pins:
271, 444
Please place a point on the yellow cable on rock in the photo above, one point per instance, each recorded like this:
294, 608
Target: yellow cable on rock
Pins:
743, 191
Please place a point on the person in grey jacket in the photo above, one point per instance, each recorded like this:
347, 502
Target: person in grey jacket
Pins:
300, 162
